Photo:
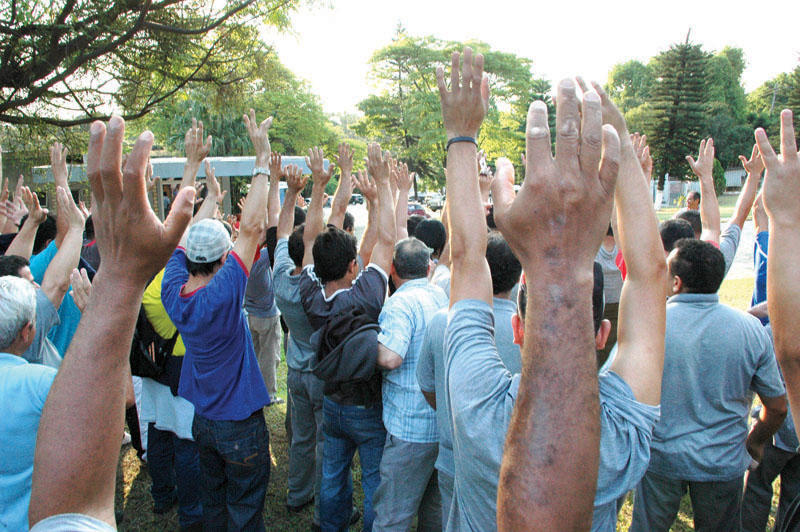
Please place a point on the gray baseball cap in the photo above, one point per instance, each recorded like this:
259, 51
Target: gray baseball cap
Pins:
208, 241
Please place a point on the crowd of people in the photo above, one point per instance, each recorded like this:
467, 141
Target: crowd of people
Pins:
523, 363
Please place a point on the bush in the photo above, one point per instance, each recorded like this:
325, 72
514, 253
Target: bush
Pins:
719, 178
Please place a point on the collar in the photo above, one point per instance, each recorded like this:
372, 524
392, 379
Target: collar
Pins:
422, 281
7, 359
504, 304
694, 298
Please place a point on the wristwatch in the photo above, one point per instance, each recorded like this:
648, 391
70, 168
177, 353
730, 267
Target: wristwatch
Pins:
260, 170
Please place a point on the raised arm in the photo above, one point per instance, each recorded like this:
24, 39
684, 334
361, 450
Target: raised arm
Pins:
255, 206
196, 151
642, 312
370, 237
55, 283
403, 180
379, 170
754, 166
274, 198
341, 198
58, 163
555, 226
314, 217
86, 402
703, 168
781, 190
22, 245
296, 183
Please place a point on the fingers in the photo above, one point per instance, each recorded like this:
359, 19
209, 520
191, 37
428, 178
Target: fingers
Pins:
503, 188
765, 148
591, 133
466, 73
691, 161
111, 159
537, 138
440, 83
179, 216
609, 162
135, 168
97, 134
788, 143
454, 71
755, 154
567, 123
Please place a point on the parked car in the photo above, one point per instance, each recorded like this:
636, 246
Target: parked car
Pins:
435, 201
417, 208
356, 199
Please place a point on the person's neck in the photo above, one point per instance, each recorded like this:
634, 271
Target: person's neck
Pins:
197, 282
17, 347
609, 242
331, 287
503, 295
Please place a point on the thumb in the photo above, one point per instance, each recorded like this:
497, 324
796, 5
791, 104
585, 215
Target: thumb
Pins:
503, 188
743, 159
180, 215
690, 160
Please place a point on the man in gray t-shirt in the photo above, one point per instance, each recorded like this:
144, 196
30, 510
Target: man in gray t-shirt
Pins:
714, 355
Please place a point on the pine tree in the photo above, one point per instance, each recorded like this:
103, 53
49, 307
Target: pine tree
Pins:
677, 99
794, 100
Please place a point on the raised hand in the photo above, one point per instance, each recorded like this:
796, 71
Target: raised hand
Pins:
345, 158
133, 243
402, 178
782, 180
755, 164
84, 211
571, 194
465, 105
642, 151
295, 180
703, 167
366, 185
760, 217
241, 204
196, 148
68, 209
148, 177
36, 213
275, 171
316, 162
259, 136
18, 189
485, 181
214, 190
58, 162
81, 287
378, 164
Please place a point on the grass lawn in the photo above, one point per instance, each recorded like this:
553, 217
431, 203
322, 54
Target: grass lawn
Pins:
133, 481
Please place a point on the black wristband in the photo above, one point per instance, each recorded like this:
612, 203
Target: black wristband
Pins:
461, 139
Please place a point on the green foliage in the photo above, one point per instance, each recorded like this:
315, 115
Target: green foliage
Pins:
405, 115
719, 178
794, 100
678, 95
629, 85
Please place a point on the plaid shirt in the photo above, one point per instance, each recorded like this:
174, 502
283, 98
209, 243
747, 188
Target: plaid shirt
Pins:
403, 321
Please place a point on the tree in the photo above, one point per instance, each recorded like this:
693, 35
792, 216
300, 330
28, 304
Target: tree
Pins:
678, 112
66, 63
793, 102
405, 115
629, 84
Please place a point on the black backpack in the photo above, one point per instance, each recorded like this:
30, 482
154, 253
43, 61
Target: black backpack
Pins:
149, 351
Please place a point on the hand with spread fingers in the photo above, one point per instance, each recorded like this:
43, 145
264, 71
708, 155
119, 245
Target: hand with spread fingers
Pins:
275, 169
366, 185
36, 213
195, 146
465, 105
259, 136
379, 164
295, 180
345, 158
642, 151
703, 167
81, 287
316, 162
755, 164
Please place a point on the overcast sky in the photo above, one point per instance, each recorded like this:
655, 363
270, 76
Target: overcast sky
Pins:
331, 46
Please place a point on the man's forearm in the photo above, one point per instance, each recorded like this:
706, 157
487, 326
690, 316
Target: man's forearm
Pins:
709, 209
341, 198
255, 206
189, 173
370, 236
467, 240
22, 245
89, 391
286, 218
745, 201
401, 215
56, 278
387, 231
314, 223
274, 202
556, 406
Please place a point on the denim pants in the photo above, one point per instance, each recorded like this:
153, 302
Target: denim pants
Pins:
346, 429
305, 451
234, 456
175, 462
757, 500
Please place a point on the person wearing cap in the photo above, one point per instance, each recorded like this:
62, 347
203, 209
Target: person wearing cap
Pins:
203, 292
411, 431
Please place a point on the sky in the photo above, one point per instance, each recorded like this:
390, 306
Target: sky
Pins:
330, 45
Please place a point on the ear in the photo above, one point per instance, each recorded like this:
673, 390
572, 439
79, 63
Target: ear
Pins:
601, 337
392, 270
518, 327
677, 284
27, 333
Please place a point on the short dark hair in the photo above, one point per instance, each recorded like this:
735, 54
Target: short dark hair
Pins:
12, 264
349, 222
503, 264
694, 219
202, 268
699, 264
299, 216
411, 258
673, 230
693, 194
432, 233
334, 250
296, 246
44, 233
598, 299
412, 222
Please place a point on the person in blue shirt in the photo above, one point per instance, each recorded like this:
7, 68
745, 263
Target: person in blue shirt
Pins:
203, 292
411, 432
23, 390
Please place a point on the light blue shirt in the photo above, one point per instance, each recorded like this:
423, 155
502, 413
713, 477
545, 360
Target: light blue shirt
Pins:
299, 353
403, 320
713, 355
480, 400
23, 390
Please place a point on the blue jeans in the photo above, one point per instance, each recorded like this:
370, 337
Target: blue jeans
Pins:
346, 429
235, 459
173, 461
